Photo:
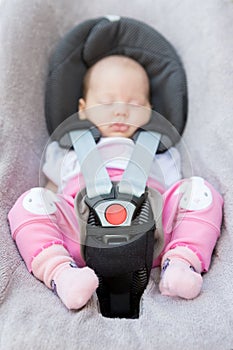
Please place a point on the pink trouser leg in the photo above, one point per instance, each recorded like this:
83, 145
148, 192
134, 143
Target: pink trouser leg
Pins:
192, 218
46, 233
41, 218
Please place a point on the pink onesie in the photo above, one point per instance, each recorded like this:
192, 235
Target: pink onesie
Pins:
191, 217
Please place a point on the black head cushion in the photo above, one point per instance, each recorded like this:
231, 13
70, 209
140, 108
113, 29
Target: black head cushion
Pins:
94, 39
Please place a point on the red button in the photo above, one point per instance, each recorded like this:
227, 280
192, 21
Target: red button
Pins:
116, 214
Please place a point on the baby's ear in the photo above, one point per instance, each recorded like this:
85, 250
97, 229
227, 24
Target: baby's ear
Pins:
81, 108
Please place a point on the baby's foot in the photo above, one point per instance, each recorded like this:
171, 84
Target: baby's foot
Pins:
178, 278
74, 285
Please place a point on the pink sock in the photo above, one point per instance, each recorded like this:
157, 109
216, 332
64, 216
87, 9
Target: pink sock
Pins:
74, 285
181, 274
56, 268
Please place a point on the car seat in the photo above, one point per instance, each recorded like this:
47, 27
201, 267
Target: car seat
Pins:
120, 253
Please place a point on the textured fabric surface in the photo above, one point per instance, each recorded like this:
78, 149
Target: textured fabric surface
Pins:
31, 317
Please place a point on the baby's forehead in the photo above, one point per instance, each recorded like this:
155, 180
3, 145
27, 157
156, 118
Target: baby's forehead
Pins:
115, 64
117, 61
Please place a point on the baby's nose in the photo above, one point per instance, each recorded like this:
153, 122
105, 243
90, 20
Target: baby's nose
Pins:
121, 110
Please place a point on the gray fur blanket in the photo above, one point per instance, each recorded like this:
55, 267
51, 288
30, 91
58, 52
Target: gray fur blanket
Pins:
31, 316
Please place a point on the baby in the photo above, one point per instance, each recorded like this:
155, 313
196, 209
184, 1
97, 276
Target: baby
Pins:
44, 225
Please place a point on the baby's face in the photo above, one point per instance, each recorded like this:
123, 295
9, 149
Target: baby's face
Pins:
121, 91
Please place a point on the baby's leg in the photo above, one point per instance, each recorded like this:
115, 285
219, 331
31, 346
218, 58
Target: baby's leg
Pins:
196, 209
36, 221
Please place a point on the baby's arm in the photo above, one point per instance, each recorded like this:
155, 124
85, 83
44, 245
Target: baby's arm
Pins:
54, 159
51, 186
59, 166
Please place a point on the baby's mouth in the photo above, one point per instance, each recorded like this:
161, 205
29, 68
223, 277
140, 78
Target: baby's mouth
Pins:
120, 127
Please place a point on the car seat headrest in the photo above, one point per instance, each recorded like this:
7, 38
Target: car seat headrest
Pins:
96, 38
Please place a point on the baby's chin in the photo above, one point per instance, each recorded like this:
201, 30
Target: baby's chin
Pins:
117, 134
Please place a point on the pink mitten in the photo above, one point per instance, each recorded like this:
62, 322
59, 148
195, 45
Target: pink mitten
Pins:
179, 276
